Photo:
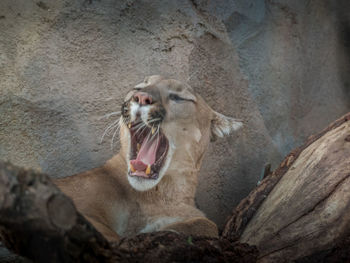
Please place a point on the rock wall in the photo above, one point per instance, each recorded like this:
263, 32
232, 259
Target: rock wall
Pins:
280, 66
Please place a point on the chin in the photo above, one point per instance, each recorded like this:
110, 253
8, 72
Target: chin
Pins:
149, 156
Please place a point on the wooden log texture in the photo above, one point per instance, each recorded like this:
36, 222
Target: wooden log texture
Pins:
39, 222
303, 207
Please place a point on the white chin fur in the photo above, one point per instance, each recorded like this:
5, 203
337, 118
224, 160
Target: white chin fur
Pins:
142, 184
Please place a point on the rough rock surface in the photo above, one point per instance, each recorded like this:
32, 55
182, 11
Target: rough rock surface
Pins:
280, 66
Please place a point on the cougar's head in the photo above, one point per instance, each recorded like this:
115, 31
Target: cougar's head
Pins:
165, 130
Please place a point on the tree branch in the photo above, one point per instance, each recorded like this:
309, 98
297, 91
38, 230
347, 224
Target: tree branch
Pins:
300, 209
39, 222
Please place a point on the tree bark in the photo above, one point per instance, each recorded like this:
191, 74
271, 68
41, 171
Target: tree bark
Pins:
39, 222
301, 210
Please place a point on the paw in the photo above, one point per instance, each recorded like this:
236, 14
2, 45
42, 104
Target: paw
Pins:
108, 233
197, 226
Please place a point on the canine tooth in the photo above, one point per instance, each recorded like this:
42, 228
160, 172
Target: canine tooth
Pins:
148, 170
153, 130
138, 147
132, 168
129, 125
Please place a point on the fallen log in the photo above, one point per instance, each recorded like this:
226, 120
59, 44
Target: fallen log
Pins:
301, 210
39, 222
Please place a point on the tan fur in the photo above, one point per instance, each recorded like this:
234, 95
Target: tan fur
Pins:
110, 201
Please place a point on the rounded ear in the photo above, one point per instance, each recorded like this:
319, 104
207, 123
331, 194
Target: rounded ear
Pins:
222, 125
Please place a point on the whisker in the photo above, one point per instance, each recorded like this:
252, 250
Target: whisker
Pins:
145, 127
154, 120
157, 132
149, 133
115, 132
157, 137
153, 135
111, 126
141, 127
137, 125
106, 116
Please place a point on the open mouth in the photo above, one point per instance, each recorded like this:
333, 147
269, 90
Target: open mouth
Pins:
148, 151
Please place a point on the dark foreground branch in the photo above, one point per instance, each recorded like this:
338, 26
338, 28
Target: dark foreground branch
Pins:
39, 222
301, 210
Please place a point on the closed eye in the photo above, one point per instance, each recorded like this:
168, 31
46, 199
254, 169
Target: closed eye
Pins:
177, 98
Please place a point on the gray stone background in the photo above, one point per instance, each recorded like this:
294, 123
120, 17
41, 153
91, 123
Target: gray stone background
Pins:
280, 66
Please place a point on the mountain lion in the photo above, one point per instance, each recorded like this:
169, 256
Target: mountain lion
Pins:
165, 129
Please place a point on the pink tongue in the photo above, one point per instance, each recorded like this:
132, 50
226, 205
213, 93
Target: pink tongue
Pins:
146, 155
138, 165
